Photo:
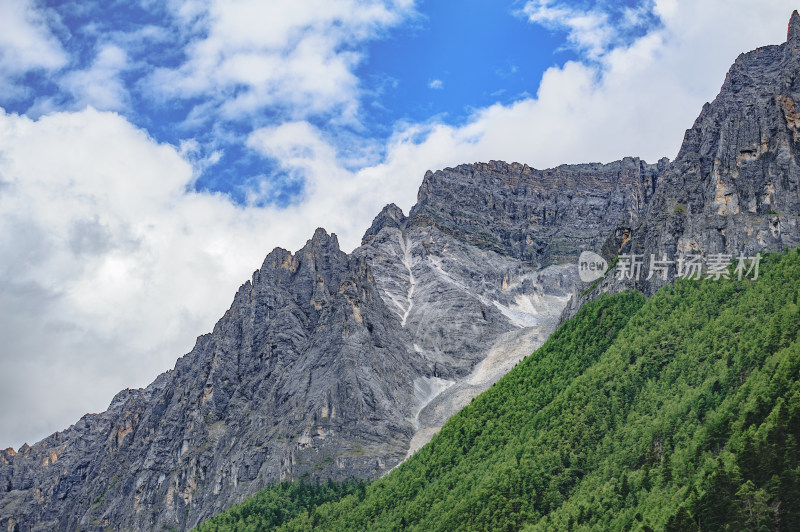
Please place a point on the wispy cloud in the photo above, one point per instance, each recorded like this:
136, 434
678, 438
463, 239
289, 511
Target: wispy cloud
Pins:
436, 84
99, 85
26, 44
588, 30
296, 58
596, 28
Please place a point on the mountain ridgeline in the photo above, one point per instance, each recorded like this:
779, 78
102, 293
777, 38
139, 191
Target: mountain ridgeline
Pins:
334, 366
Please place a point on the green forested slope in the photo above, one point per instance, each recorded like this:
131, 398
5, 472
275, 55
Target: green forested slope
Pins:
277, 504
681, 412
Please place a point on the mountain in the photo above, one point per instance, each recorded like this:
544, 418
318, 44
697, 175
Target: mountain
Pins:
331, 364
680, 412
337, 365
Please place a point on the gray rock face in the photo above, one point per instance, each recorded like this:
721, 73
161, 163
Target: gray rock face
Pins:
738, 163
538, 216
341, 365
458, 302
734, 187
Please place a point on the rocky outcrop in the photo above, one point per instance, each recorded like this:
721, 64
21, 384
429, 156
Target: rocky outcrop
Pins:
538, 216
735, 184
734, 188
304, 373
485, 262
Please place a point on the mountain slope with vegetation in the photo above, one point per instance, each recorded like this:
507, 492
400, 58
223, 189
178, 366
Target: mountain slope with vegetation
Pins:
273, 506
680, 412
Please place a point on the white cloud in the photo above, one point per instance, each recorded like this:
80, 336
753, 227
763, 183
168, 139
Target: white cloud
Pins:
621, 99
25, 44
588, 30
99, 85
297, 57
111, 265
436, 84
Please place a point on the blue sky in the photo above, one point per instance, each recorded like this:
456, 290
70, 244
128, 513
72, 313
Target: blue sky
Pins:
435, 60
153, 152
449, 61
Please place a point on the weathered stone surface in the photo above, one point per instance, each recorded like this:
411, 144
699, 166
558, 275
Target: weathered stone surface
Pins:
734, 187
390, 216
538, 216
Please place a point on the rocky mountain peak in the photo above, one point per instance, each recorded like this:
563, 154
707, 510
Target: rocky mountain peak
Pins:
320, 245
280, 258
793, 35
322, 239
390, 216
322, 248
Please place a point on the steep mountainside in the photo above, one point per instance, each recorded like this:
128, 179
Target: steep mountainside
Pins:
484, 264
678, 413
331, 364
734, 187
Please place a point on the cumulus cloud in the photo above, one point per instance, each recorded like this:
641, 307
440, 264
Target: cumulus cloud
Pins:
296, 56
436, 84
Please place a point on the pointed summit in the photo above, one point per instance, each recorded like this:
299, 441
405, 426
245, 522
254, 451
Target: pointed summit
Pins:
322, 238
390, 216
794, 28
